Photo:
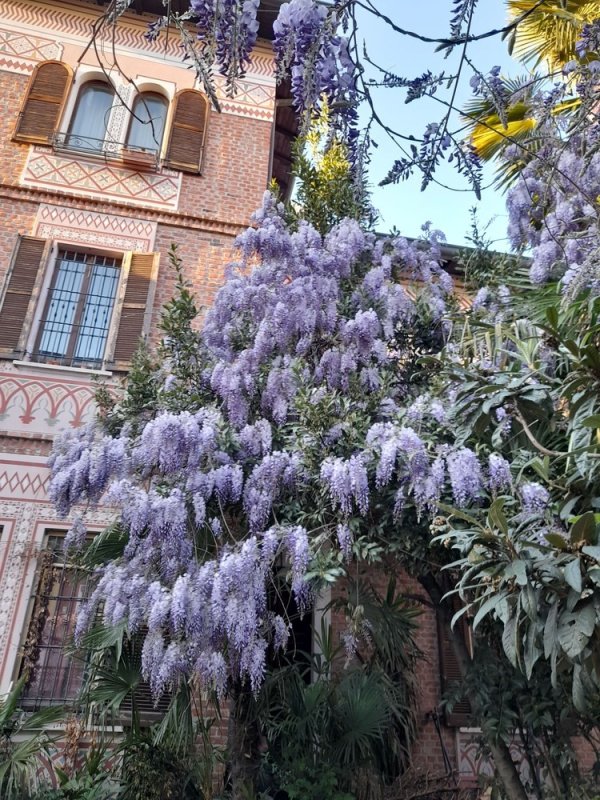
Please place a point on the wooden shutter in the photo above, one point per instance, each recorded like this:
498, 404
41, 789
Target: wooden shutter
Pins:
28, 258
450, 674
137, 304
42, 107
188, 131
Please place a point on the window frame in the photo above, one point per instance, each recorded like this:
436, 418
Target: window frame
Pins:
43, 307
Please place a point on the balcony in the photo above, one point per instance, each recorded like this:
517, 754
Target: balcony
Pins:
140, 159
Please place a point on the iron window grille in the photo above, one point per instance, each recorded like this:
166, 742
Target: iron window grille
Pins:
78, 312
53, 676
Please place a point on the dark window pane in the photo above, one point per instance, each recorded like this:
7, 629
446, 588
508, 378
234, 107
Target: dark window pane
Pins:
60, 317
90, 119
96, 314
148, 121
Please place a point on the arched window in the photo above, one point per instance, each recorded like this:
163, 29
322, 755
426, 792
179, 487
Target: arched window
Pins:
148, 121
89, 122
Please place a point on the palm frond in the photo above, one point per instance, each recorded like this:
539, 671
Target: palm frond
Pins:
361, 717
106, 546
20, 759
550, 30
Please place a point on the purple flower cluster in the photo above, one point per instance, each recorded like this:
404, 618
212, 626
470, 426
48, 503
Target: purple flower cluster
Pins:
554, 218
82, 466
347, 482
464, 471
534, 497
212, 619
499, 477
227, 30
201, 492
275, 473
316, 59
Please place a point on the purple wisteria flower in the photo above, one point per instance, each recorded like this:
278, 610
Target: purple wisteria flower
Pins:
305, 327
465, 475
499, 477
347, 482
534, 497
345, 540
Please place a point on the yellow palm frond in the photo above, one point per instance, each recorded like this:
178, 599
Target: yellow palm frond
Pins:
489, 135
549, 33
488, 138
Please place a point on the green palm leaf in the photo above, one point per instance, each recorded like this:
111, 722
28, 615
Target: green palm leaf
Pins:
20, 759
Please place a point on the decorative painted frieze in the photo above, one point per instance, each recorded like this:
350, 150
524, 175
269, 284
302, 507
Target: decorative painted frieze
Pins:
36, 402
91, 228
75, 175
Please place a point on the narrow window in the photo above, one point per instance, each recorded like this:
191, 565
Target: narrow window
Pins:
147, 122
89, 123
79, 309
53, 677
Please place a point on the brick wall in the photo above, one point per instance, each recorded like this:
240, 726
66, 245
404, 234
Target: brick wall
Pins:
12, 154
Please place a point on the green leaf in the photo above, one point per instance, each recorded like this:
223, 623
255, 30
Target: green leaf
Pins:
518, 571
575, 628
552, 316
550, 631
591, 422
510, 639
594, 575
485, 608
556, 540
532, 652
461, 515
497, 516
579, 699
573, 575
584, 528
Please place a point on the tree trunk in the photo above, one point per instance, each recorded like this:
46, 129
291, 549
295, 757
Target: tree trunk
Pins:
505, 766
243, 743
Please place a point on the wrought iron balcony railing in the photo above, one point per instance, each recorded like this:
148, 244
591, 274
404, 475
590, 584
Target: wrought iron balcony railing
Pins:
139, 158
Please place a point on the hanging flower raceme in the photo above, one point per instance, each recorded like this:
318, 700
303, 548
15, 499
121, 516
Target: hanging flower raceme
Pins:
227, 31
317, 60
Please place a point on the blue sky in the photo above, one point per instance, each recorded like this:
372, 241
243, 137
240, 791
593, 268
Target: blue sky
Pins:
404, 205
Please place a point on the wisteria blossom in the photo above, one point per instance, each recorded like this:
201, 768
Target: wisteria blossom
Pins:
210, 497
535, 498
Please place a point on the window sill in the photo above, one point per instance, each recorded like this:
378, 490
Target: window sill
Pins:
102, 373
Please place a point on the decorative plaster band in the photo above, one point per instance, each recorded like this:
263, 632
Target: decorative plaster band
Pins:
27, 47
91, 228
25, 482
34, 404
16, 66
256, 100
45, 170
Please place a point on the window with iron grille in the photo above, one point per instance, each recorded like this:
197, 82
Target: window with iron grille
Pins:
53, 676
78, 312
